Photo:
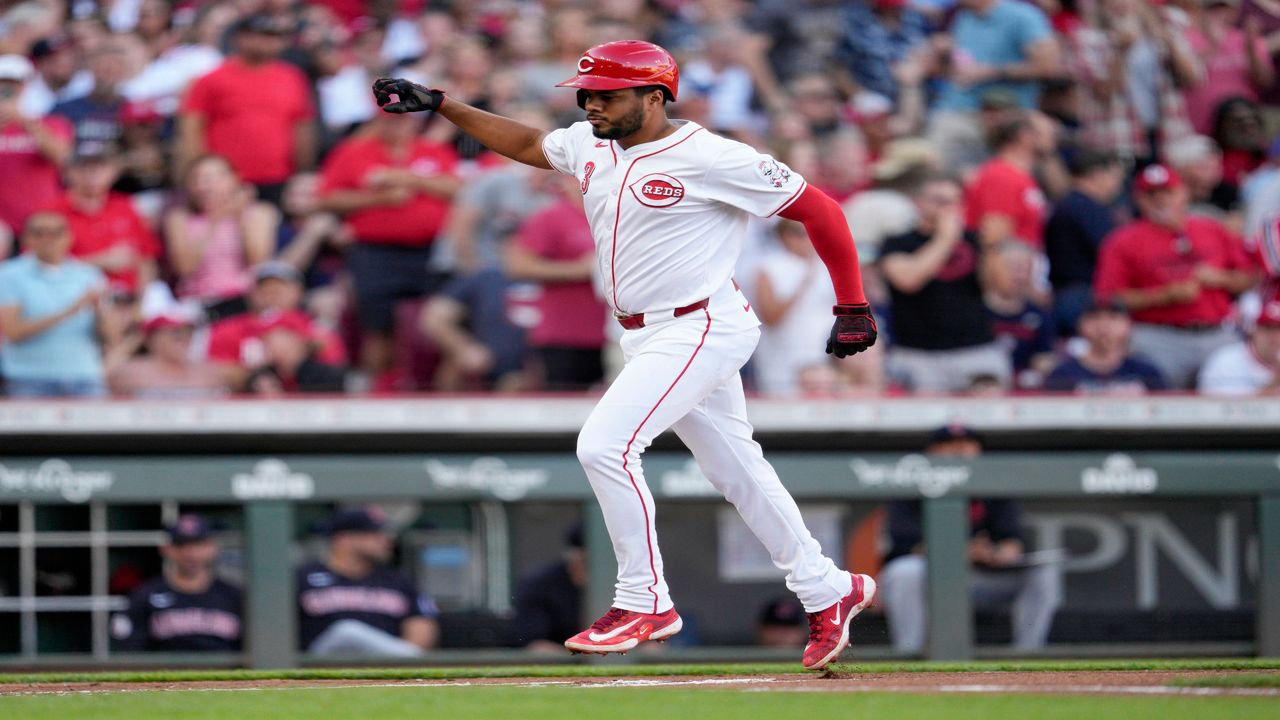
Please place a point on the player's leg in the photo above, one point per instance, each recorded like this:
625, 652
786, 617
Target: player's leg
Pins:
902, 588
670, 369
719, 434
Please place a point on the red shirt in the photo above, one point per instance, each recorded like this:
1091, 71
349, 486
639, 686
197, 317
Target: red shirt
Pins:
1002, 188
231, 340
117, 223
1143, 255
250, 113
29, 180
571, 314
415, 223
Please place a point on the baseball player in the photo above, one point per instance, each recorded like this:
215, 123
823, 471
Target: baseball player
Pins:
668, 203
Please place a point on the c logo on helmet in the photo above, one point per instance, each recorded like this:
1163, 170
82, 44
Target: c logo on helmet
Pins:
586, 64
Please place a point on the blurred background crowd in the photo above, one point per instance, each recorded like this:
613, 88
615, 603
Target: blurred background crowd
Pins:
201, 198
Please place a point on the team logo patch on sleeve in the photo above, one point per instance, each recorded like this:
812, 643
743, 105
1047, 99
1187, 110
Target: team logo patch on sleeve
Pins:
773, 172
658, 190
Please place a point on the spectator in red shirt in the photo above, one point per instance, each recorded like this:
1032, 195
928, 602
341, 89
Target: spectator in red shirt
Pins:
393, 188
166, 370
555, 248
1177, 275
1003, 201
255, 110
277, 291
106, 231
32, 150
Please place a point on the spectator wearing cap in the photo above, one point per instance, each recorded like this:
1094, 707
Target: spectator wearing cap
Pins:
165, 369
1002, 45
221, 234
941, 329
1177, 276
393, 187
57, 75
277, 291
254, 95
1132, 60
188, 608
1076, 229
782, 624
291, 362
1236, 61
1003, 200
1250, 366
106, 231
1002, 574
1105, 367
96, 116
554, 248
53, 318
30, 149
1198, 161
548, 603
878, 37
353, 603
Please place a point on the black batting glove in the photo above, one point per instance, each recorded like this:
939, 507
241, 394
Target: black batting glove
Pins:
853, 331
412, 97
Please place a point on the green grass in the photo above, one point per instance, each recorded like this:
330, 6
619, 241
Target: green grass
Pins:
1243, 680
552, 703
631, 670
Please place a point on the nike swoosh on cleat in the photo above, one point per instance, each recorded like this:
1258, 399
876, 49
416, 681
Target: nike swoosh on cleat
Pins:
601, 637
836, 622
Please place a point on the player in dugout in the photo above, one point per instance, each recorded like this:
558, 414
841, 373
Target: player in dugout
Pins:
668, 203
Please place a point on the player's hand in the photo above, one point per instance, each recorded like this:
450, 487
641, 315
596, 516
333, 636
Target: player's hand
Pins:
853, 331
411, 97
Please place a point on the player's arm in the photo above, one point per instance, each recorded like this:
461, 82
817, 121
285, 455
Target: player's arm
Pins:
501, 135
421, 631
855, 328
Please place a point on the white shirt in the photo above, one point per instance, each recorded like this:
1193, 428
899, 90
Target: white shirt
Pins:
1234, 370
799, 339
669, 216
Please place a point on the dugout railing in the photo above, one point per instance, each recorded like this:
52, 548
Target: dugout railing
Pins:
271, 457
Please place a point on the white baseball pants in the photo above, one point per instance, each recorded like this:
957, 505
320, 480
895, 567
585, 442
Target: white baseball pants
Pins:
682, 373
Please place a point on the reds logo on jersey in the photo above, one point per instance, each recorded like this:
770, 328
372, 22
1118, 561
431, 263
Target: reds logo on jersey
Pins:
587, 170
658, 190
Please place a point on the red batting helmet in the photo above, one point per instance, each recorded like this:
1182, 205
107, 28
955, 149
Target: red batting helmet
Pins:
626, 64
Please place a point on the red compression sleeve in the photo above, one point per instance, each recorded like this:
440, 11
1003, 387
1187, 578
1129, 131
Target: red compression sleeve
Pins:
829, 233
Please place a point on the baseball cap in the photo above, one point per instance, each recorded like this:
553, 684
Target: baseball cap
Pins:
91, 151
140, 112
15, 67
1269, 315
168, 318
44, 47
265, 24
1156, 177
869, 106
359, 519
787, 612
953, 431
276, 270
188, 529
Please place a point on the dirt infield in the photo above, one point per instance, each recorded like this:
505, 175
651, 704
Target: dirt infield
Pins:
1112, 682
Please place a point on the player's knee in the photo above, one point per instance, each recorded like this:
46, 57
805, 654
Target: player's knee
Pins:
597, 452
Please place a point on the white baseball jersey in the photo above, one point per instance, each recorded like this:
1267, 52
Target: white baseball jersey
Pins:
669, 216
1234, 370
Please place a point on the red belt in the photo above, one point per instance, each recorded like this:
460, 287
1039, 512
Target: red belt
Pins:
635, 322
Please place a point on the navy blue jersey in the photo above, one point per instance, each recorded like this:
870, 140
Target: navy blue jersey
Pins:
1132, 376
162, 618
384, 599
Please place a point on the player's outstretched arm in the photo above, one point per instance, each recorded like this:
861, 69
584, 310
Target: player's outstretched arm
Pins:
501, 135
855, 327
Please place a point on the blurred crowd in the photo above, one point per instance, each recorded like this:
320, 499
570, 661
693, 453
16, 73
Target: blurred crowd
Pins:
202, 198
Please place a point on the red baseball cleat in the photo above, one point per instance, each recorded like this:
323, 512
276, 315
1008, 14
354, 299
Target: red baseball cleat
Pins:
829, 629
620, 630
